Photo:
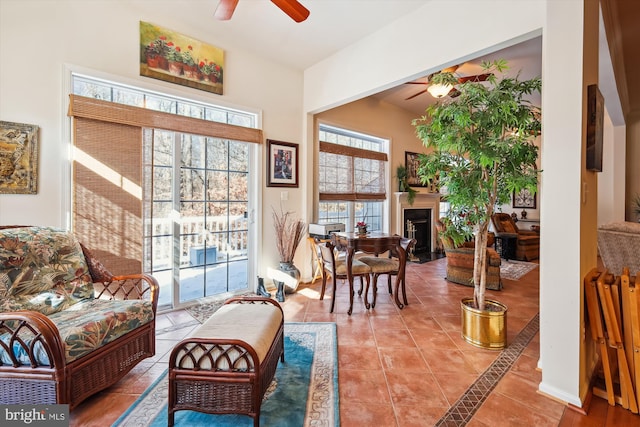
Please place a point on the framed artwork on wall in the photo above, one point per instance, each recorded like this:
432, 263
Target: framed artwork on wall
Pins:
282, 164
524, 199
411, 162
18, 158
173, 57
595, 128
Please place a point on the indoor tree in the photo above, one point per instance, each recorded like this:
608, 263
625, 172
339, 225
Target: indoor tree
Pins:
482, 143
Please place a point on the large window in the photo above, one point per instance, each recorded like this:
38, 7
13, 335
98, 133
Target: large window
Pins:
187, 188
352, 177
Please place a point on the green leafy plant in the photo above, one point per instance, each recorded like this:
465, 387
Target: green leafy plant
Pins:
174, 53
483, 148
187, 58
401, 174
636, 206
158, 46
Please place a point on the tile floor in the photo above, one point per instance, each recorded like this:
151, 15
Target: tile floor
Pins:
398, 367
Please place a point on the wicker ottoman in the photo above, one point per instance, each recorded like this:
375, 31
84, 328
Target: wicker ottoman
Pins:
227, 364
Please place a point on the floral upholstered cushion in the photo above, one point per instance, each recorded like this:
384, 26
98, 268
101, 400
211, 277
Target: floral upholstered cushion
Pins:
84, 327
41, 269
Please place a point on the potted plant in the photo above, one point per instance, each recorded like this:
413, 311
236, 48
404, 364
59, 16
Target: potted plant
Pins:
482, 148
636, 206
174, 56
289, 232
156, 53
189, 66
403, 184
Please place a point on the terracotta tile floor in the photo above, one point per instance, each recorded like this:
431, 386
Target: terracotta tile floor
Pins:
396, 367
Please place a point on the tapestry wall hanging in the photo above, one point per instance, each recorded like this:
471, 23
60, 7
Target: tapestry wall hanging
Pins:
176, 58
18, 158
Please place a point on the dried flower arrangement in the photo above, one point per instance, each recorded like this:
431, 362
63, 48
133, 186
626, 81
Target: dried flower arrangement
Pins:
289, 232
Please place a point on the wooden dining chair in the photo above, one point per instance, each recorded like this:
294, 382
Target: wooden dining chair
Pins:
337, 269
391, 267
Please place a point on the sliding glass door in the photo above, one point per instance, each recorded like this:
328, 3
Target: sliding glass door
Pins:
199, 215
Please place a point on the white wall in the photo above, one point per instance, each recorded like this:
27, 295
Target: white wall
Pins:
419, 43
611, 181
39, 39
428, 44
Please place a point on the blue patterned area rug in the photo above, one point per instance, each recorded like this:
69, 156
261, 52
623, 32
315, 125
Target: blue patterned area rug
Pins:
304, 391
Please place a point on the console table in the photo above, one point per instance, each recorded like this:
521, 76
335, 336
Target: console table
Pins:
528, 224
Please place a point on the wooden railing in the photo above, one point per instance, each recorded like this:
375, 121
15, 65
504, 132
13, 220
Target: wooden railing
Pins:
231, 241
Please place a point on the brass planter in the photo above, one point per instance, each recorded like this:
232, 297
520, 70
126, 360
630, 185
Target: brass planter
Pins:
484, 328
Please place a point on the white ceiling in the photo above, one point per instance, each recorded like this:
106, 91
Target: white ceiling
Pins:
261, 28
524, 58
331, 26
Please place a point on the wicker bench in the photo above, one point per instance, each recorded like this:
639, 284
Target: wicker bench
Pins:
227, 364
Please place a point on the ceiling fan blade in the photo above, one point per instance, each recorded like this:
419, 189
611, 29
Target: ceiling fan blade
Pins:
225, 9
293, 8
413, 96
478, 78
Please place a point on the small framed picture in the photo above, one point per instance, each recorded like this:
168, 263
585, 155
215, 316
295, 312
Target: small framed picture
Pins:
524, 199
282, 164
411, 162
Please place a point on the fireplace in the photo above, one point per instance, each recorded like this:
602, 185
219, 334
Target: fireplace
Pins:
423, 213
420, 221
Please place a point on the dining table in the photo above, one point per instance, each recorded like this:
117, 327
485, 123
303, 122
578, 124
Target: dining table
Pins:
372, 243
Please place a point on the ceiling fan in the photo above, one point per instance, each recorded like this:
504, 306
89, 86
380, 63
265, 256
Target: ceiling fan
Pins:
293, 8
439, 91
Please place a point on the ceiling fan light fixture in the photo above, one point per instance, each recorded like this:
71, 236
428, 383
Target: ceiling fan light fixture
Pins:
439, 90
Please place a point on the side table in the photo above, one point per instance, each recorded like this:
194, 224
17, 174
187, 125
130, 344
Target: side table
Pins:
506, 245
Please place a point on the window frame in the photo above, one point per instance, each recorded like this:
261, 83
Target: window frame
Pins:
356, 205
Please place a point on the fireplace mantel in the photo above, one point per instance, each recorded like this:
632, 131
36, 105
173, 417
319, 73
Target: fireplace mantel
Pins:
421, 201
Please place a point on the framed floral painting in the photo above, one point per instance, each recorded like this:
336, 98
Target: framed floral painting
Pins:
176, 58
282, 164
18, 158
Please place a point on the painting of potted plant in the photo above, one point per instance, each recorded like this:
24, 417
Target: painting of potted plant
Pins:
173, 57
156, 53
189, 67
482, 146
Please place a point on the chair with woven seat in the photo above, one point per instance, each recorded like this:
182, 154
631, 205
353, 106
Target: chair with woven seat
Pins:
527, 241
337, 269
390, 266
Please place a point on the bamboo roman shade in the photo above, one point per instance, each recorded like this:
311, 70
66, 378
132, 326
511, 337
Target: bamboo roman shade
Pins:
107, 173
350, 174
107, 208
90, 108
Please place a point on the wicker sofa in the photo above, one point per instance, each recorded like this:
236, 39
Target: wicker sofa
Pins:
68, 328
